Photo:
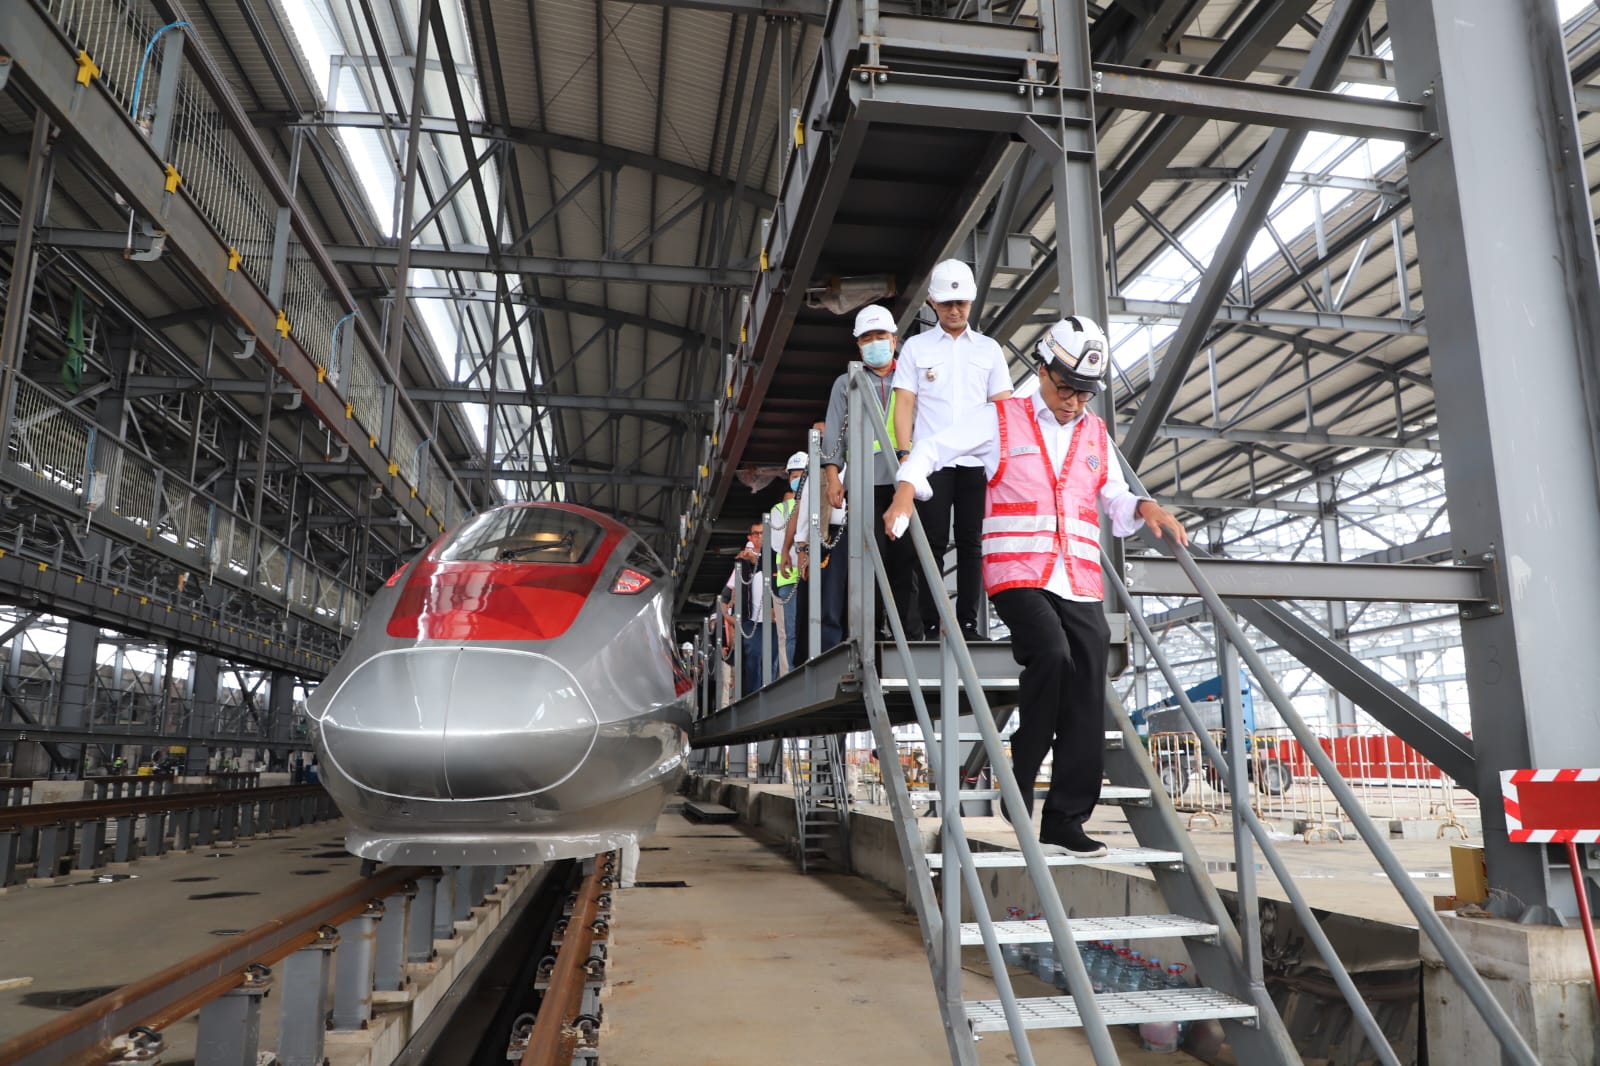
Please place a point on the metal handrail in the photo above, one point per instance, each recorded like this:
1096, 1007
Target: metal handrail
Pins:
1513, 1045
865, 416
1308, 919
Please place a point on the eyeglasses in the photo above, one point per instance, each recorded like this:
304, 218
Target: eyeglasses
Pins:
1065, 389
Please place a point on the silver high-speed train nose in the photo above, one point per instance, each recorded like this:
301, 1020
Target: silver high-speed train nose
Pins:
459, 723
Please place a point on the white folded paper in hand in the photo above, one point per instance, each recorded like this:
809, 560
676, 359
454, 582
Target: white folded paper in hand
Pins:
901, 524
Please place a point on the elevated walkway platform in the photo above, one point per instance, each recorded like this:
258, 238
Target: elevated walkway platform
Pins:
823, 696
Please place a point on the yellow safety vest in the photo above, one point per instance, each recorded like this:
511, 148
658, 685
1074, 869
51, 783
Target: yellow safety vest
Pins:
778, 580
888, 417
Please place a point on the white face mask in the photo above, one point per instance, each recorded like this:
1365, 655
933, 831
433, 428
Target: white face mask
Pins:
877, 353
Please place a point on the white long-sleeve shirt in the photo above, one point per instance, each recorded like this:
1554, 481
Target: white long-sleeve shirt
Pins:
802, 528
978, 437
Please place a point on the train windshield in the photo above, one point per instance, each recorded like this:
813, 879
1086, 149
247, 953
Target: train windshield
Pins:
524, 534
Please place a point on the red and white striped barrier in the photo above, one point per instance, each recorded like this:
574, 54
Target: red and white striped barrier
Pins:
1552, 806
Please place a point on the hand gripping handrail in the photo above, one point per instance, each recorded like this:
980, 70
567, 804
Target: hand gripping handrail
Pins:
1516, 1049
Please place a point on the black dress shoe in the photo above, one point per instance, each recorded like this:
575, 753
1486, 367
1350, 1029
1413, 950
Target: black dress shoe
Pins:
1072, 841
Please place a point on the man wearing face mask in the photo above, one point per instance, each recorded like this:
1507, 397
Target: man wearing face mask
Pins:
876, 341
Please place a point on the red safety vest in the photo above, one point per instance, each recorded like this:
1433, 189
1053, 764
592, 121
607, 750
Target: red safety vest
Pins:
1034, 515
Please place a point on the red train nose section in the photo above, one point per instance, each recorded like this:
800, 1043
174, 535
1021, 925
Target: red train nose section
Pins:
490, 601
514, 573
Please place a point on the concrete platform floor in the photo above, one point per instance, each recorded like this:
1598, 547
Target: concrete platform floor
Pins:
754, 962
83, 937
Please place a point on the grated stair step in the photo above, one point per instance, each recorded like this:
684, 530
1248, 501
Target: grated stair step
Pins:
1108, 794
1112, 857
1119, 1008
1129, 927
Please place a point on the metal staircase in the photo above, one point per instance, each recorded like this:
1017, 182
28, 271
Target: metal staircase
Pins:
1226, 952
821, 799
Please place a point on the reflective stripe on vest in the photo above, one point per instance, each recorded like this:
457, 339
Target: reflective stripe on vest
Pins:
778, 580
1036, 516
888, 417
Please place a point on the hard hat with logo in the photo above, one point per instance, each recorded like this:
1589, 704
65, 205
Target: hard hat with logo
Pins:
1075, 351
797, 461
952, 280
874, 316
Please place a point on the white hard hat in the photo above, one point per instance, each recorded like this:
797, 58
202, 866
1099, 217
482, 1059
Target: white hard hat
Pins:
874, 316
1075, 350
952, 280
797, 461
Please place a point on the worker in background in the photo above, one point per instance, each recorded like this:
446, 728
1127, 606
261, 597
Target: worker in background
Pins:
785, 575
747, 582
835, 568
943, 379
876, 341
1051, 473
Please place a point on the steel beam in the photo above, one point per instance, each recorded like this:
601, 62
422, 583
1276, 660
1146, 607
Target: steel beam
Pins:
1311, 438
1522, 464
539, 398
483, 261
1248, 578
1254, 103
608, 154
1152, 311
589, 477
814, 12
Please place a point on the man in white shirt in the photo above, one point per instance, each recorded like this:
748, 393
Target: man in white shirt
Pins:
1051, 472
943, 378
747, 583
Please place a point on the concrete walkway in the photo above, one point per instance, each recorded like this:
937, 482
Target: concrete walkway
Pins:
752, 961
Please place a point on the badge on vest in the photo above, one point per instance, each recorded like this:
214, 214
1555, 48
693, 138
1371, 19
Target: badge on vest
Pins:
1025, 449
1093, 461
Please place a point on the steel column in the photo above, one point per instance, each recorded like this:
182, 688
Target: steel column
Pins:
353, 972
19, 293
1510, 266
302, 1017
77, 686
230, 1025
1344, 712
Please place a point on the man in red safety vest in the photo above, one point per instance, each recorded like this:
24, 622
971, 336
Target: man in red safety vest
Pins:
1051, 473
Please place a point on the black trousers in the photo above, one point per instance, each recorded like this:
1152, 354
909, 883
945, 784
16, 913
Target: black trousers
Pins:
962, 489
900, 560
1061, 646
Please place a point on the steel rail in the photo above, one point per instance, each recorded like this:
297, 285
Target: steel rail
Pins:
81, 1037
554, 1038
33, 815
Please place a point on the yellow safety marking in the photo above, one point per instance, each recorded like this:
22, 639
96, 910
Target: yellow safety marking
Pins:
2, 553
372, 442
234, 258
799, 132
78, 580
282, 325
169, 608
43, 567
144, 601
194, 618
349, 410
744, 336
322, 374
174, 179
413, 494
427, 512
704, 470
763, 259
714, 440
88, 70
115, 591
394, 468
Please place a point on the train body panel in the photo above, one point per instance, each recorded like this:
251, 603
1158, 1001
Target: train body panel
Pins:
493, 710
